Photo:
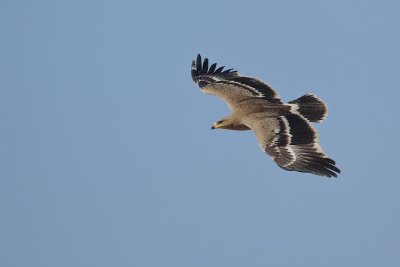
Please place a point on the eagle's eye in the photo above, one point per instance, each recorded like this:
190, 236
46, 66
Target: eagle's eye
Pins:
219, 122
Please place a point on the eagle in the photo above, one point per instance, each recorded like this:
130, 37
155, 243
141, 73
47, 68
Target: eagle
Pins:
283, 130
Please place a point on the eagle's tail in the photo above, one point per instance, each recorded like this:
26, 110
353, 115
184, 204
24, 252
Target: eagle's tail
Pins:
310, 107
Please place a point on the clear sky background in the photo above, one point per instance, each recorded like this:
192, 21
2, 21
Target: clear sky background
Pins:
106, 152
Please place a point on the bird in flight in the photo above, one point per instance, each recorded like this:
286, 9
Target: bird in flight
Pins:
283, 130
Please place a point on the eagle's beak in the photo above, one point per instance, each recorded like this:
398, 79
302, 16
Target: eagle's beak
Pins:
213, 126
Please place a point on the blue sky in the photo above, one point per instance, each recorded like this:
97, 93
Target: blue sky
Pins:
107, 157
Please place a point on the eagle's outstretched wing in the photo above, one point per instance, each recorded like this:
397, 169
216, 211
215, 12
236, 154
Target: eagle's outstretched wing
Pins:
292, 143
229, 85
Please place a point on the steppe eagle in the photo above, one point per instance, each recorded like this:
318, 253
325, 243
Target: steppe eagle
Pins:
283, 130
